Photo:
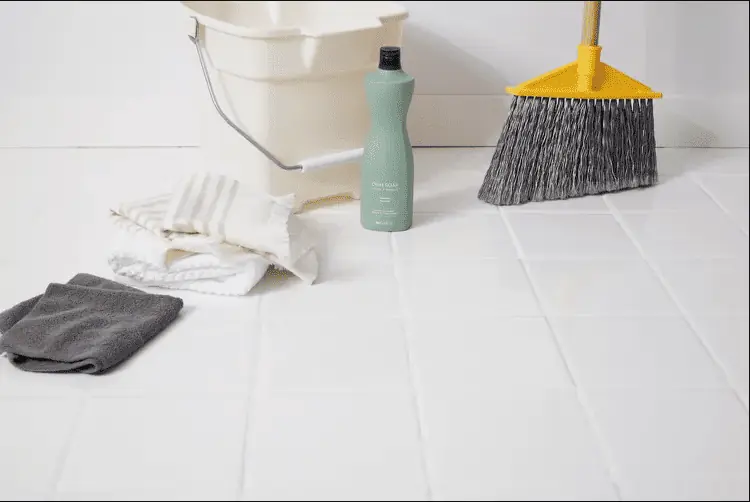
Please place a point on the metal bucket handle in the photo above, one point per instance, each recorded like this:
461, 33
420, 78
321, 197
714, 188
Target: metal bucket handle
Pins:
306, 165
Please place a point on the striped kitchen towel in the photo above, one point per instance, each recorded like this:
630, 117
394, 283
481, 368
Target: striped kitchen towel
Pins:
148, 213
216, 215
223, 208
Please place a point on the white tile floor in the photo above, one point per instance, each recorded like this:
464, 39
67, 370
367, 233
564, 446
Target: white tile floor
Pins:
591, 349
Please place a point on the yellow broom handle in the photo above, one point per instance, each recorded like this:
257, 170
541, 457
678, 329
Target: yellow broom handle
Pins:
590, 32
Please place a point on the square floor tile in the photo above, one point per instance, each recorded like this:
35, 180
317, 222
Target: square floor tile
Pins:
310, 354
23, 495
675, 162
174, 495
452, 236
730, 192
157, 445
84, 229
721, 160
517, 446
727, 339
671, 194
207, 350
450, 191
657, 487
575, 236
16, 382
636, 352
708, 286
36, 434
341, 237
687, 161
697, 432
599, 288
334, 446
686, 235
457, 288
349, 288
485, 354
743, 221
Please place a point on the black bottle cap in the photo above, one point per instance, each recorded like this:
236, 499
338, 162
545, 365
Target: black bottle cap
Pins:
390, 58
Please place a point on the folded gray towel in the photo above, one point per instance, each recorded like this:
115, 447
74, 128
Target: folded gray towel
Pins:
88, 325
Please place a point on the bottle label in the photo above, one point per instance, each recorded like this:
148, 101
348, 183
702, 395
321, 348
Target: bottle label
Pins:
388, 186
385, 213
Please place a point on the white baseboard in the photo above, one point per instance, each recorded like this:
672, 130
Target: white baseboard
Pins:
434, 120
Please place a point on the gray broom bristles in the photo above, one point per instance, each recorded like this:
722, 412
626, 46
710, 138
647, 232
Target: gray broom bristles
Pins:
558, 148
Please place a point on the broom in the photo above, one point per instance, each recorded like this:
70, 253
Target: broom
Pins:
582, 129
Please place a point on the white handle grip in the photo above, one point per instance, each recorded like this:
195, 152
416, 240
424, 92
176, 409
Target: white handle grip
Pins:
333, 159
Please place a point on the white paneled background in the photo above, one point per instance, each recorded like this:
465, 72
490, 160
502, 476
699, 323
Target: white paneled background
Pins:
124, 73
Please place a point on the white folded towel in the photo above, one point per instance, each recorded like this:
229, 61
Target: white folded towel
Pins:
144, 257
211, 235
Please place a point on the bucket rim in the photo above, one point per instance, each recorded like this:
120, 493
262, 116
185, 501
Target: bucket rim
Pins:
398, 13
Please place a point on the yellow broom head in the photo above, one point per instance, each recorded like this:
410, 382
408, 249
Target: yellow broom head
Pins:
585, 78
582, 129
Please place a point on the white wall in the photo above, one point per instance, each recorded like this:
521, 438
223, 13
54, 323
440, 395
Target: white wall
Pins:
124, 73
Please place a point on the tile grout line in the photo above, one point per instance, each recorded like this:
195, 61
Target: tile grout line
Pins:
681, 308
416, 404
696, 180
582, 401
254, 361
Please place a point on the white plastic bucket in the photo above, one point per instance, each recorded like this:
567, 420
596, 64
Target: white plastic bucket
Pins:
289, 77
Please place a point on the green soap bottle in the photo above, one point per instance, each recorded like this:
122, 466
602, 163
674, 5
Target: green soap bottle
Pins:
387, 192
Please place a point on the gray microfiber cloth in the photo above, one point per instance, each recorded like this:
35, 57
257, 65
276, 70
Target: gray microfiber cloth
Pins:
88, 325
